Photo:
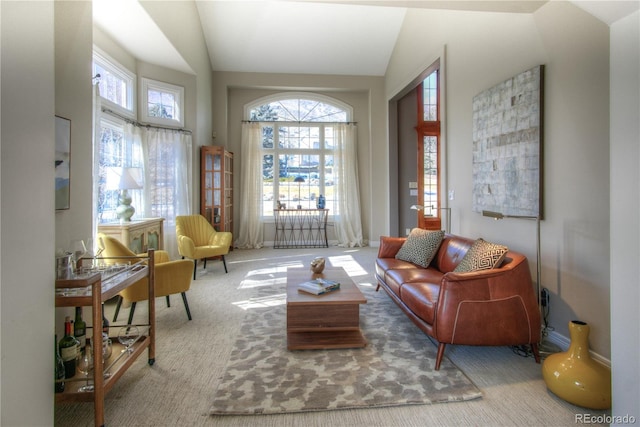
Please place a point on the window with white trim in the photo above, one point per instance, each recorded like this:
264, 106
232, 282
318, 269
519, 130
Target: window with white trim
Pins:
117, 84
115, 150
163, 103
298, 142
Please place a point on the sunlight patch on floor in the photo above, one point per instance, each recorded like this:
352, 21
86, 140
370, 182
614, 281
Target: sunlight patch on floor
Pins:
350, 265
263, 302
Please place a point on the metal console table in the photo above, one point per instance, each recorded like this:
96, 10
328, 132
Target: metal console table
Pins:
301, 228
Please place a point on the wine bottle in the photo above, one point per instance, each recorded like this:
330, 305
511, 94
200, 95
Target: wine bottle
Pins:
80, 329
59, 388
68, 347
105, 323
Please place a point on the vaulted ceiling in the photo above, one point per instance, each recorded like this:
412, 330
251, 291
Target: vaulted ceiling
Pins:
299, 36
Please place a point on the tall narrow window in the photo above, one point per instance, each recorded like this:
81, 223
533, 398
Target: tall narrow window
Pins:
429, 152
298, 142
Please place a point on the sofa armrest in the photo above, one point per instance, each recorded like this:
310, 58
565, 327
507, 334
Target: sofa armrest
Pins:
389, 246
489, 307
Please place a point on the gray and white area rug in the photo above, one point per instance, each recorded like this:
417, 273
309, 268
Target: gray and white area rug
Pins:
395, 368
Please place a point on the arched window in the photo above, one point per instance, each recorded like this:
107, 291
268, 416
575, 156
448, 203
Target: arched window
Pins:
298, 141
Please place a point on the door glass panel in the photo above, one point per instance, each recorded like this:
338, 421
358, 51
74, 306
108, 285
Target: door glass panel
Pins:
430, 173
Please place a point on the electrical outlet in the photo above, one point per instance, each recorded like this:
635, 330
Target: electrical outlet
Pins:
544, 297
407, 231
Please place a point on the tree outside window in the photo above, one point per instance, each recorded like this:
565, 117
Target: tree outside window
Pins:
298, 142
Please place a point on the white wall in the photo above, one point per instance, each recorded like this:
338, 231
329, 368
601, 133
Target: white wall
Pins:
41, 42
27, 220
73, 53
73, 100
180, 22
574, 46
625, 221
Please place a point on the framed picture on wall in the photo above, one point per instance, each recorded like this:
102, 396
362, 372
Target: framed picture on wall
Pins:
63, 162
508, 146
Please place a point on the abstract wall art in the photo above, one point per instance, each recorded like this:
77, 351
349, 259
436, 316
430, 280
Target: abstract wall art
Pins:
507, 146
62, 162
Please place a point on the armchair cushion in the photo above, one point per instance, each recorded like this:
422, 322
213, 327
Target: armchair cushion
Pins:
171, 277
198, 239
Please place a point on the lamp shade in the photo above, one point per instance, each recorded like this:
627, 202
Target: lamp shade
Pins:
123, 178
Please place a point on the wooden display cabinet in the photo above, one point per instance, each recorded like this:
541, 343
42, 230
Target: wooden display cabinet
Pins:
92, 289
216, 187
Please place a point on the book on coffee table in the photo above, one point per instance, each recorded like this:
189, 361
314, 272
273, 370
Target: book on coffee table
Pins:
319, 286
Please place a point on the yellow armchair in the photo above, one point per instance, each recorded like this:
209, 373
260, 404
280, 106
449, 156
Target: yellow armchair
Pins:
197, 239
171, 277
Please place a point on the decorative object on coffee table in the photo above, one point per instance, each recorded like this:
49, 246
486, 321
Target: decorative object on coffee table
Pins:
317, 265
574, 376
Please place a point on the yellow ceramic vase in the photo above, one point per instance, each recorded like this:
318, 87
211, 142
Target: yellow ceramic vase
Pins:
574, 376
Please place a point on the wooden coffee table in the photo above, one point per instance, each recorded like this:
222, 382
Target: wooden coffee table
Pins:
331, 320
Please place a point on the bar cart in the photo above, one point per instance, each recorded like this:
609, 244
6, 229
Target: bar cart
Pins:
91, 288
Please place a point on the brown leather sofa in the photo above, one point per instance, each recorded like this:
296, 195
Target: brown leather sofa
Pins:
490, 307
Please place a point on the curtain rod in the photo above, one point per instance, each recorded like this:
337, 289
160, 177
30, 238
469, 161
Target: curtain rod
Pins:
300, 122
142, 125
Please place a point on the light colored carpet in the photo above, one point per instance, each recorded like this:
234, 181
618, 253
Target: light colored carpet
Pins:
191, 357
397, 367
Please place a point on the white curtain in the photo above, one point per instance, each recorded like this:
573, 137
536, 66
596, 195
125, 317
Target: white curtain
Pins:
167, 176
97, 105
348, 226
250, 231
133, 134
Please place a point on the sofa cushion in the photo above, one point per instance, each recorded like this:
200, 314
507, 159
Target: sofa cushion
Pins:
421, 246
482, 255
421, 298
452, 250
396, 279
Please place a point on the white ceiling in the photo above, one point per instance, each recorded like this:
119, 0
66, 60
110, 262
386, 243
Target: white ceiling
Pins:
347, 37
295, 37
126, 22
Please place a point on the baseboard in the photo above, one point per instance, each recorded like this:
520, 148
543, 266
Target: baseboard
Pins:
564, 342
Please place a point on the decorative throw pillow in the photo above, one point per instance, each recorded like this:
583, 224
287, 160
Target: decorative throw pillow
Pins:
482, 255
421, 246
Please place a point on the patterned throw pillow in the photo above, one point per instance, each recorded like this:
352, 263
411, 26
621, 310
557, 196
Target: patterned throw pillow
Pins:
482, 255
421, 246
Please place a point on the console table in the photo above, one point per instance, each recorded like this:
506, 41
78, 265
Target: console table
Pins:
138, 235
301, 228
